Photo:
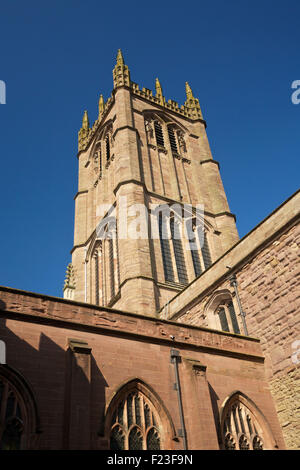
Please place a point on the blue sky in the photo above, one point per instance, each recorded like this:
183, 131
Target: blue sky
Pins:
240, 57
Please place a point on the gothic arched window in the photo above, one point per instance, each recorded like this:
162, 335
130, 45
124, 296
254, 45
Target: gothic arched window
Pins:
18, 413
134, 424
241, 428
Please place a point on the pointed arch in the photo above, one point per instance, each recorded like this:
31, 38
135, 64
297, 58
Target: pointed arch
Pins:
243, 425
137, 412
98, 149
164, 117
221, 312
21, 427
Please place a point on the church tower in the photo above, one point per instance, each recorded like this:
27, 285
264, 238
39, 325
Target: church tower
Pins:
144, 152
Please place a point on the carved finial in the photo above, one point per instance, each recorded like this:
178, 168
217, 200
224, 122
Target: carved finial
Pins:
121, 72
188, 90
85, 121
101, 105
158, 87
83, 132
120, 58
192, 104
159, 92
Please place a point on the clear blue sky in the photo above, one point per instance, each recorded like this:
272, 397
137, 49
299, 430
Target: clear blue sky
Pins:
239, 56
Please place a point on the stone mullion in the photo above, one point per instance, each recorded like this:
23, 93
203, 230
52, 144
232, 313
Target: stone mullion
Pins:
104, 278
233, 428
143, 424
100, 274
125, 425
245, 422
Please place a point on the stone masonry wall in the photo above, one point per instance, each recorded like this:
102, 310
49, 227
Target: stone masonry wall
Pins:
269, 291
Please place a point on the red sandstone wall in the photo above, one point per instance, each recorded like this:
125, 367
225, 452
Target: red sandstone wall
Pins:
124, 347
270, 295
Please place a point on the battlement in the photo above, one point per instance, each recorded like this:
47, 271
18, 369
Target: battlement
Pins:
121, 76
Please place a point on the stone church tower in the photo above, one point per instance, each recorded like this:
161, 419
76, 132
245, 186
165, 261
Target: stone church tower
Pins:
162, 341
143, 150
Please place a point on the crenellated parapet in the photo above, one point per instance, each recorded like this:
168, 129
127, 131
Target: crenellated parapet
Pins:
86, 133
121, 77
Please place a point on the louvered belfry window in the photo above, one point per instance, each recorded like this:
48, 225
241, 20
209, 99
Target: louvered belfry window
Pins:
107, 147
172, 140
159, 134
135, 424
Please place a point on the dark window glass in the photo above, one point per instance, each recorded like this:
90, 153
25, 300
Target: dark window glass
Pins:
129, 411
235, 325
205, 252
107, 145
178, 252
153, 440
158, 134
257, 444
229, 442
223, 319
11, 424
243, 443
120, 413
196, 259
135, 440
117, 439
137, 410
147, 416
166, 253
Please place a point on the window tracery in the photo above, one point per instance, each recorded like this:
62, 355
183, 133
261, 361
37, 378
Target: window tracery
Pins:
134, 424
241, 429
12, 417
